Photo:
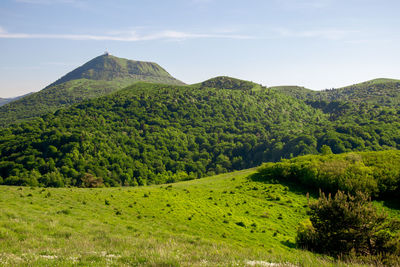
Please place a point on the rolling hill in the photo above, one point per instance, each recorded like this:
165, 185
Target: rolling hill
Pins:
99, 76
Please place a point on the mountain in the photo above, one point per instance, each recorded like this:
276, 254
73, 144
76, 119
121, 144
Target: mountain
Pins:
101, 75
4, 101
111, 68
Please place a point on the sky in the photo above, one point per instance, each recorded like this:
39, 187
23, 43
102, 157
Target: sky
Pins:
318, 44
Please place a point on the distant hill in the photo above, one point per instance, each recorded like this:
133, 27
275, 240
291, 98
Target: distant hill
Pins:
224, 82
99, 76
378, 91
4, 101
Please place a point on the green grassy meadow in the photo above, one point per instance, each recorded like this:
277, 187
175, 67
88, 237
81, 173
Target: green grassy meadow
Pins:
224, 220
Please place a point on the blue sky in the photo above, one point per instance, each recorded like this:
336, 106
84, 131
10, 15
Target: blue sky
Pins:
313, 43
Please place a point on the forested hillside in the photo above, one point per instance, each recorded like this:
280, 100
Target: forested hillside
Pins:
152, 133
98, 77
384, 92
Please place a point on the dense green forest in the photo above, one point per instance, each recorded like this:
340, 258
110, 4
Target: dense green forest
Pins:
100, 76
152, 133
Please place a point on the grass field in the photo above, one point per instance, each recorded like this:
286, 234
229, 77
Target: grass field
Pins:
224, 220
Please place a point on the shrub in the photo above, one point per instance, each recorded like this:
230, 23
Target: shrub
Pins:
346, 225
241, 224
90, 181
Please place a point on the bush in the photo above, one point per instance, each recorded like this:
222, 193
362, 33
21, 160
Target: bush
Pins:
346, 225
90, 181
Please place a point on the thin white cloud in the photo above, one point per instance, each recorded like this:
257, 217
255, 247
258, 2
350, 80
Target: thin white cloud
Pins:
132, 36
331, 34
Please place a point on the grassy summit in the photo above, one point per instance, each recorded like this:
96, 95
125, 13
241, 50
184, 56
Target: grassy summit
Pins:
111, 68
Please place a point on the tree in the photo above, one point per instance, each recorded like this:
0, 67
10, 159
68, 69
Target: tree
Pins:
348, 224
326, 150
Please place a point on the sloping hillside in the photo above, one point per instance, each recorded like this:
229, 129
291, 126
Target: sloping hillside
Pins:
226, 220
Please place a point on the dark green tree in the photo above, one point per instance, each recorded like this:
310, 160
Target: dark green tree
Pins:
347, 224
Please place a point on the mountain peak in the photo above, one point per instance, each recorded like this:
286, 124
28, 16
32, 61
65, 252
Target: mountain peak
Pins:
107, 67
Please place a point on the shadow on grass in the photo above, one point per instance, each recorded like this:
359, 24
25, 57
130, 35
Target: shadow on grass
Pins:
289, 244
392, 203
